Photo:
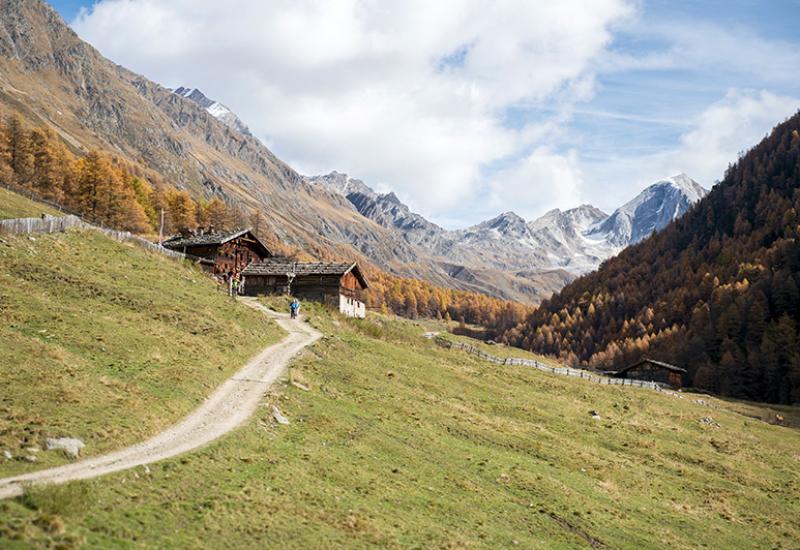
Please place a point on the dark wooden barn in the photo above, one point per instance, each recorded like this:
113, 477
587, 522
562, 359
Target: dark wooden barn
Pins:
654, 371
225, 253
340, 285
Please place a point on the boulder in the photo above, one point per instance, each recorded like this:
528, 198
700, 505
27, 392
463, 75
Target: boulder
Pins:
279, 418
70, 445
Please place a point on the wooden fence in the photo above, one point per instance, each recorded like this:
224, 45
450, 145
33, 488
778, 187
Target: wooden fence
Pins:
564, 371
50, 224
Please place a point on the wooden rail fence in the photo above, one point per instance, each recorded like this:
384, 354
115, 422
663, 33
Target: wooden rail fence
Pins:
50, 224
564, 371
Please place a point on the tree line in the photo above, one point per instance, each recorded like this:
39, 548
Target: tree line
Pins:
109, 191
103, 188
415, 298
715, 292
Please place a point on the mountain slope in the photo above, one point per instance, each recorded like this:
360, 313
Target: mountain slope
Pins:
215, 109
394, 442
50, 77
716, 291
95, 326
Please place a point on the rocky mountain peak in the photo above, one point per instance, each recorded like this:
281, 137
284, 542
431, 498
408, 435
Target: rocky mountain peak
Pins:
342, 184
651, 210
506, 224
392, 198
214, 108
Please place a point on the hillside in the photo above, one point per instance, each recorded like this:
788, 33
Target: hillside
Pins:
398, 443
14, 205
51, 78
108, 343
715, 292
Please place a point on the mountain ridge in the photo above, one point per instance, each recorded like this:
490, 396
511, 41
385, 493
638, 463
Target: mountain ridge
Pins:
576, 240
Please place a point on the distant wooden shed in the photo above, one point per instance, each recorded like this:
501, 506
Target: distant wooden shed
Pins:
654, 371
340, 285
225, 253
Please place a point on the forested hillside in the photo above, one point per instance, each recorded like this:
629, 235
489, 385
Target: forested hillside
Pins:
715, 292
99, 186
113, 192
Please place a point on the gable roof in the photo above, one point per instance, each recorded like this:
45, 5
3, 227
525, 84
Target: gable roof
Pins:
281, 267
210, 239
661, 364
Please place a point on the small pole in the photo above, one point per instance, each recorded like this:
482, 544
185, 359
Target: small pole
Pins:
161, 229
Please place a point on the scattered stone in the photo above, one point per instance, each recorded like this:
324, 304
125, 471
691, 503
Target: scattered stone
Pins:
146, 470
279, 418
34, 449
70, 445
7, 455
389, 374
595, 415
30, 458
298, 385
430, 335
700, 402
708, 421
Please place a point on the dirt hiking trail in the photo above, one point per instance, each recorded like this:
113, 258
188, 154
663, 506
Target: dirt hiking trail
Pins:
231, 404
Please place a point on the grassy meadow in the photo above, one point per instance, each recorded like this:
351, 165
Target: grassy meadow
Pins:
397, 443
108, 343
13, 205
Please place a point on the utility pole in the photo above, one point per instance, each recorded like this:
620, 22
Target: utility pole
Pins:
161, 229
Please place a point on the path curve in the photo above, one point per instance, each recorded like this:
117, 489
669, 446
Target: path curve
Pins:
233, 402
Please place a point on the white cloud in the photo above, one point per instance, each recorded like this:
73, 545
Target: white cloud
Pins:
732, 125
539, 182
714, 139
414, 96
362, 86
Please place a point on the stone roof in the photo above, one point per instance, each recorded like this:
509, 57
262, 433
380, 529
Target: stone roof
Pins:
281, 267
662, 364
209, 239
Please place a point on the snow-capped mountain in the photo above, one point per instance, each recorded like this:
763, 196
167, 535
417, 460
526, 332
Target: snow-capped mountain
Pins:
385, 209
649, 211
215, 108
574, 241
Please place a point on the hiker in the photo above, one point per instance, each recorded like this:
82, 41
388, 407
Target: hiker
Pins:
294, 307
234, 288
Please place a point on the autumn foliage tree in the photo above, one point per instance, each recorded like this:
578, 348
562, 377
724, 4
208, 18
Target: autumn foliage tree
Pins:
100, 187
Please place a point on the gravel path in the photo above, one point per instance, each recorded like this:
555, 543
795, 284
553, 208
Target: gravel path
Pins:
227, 408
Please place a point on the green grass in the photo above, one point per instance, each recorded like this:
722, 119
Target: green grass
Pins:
13, 205
399, 443
108, 343
501, 350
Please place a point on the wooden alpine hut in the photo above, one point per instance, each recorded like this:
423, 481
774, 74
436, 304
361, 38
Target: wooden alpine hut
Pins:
340, 285
654, 371
222, 253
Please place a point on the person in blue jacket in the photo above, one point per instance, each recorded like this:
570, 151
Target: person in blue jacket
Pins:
294, 308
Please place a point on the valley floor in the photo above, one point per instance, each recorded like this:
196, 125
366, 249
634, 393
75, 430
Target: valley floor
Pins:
395, 442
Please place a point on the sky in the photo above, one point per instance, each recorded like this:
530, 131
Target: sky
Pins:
469, 108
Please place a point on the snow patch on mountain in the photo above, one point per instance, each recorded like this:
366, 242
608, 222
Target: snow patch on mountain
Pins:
214, 108
651, 210
575, 241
